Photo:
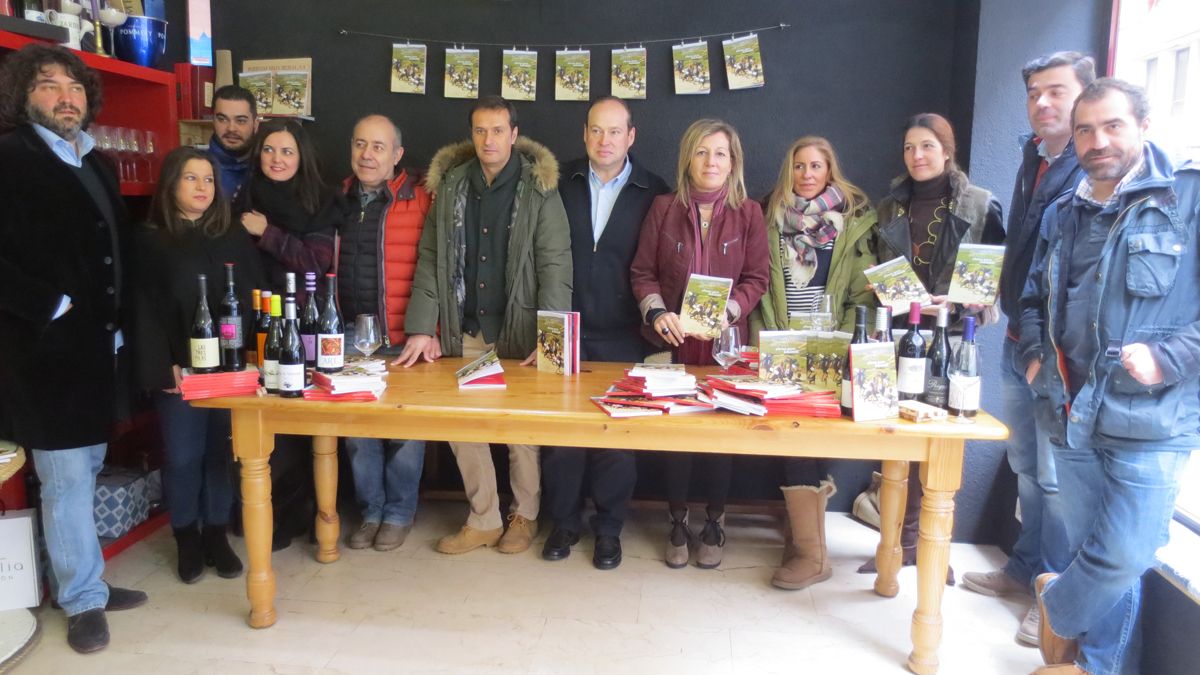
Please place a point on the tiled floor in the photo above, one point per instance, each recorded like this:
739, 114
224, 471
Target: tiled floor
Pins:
414, 610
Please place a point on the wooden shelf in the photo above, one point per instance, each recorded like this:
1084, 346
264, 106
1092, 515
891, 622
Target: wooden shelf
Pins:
103, 64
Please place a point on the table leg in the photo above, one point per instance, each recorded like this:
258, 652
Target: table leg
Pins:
893, 491
941, 476
253, 448
325, 478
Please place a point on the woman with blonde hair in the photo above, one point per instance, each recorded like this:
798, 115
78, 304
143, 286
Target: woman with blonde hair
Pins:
709, 227
820, 236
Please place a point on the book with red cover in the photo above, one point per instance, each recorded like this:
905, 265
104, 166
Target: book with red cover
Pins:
617, 409
195, 90
316, 393
197, 393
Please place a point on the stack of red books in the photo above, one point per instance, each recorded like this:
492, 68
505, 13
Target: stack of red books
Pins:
652, 389
216, 385
747, 395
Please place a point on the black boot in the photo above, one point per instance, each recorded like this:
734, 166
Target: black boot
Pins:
191, 556
218, 553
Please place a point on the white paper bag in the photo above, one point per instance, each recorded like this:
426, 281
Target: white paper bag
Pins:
20, 584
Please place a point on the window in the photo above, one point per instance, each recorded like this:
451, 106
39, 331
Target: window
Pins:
1151, 76
1179, 98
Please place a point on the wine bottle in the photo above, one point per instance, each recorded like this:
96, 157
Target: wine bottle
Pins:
308, 322
963, 400
883, 325
859, 337
233, 344
937, 383
256, 294
331, 339
271, 347
291, 354
263, 325
203, 344
910, 367
290, 286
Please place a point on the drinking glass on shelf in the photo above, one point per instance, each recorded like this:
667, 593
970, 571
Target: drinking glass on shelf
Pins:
148, 143
121, 148
727, 348
366, 334
134, 148
103, 137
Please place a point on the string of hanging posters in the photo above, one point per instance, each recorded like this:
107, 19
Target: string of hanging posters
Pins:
572, 67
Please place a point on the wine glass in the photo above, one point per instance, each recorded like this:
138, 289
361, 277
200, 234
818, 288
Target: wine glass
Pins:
825, 319
366, 334
727, 348
121, 148
133, 146
148, 138
103, 137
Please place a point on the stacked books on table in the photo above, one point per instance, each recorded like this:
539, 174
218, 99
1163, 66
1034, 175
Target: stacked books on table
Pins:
557, 342
484, 372
362, 379
652, 389
748, 395
195, 386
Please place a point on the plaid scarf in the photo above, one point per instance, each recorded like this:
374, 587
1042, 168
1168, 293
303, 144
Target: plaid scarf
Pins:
808, 225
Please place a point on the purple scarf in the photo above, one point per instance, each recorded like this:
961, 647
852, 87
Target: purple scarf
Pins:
716, 199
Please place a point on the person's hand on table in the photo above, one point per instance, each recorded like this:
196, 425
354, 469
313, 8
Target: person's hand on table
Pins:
254, 222
531, 359
419, 347
1139, 362
667, 325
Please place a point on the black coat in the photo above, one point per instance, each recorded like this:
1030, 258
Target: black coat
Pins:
609, 316
165, 293
57, 382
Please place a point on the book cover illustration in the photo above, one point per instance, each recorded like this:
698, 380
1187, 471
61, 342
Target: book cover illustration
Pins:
291, 92
462, 73
278, 67
691, 68
614, 409
572, 75
743, 62
782, 356
553, 339
260, 85
629, 73
810, 321
409, 62
483, 372
518, 75
704, 302
896, 284
976, 278
873, 381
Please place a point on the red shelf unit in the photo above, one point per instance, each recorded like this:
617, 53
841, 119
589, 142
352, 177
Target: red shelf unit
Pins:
134, 97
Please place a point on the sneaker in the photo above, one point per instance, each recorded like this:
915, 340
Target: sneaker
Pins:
391, 537
519, 535
364, 537
468, 539
996, 584
1027, 634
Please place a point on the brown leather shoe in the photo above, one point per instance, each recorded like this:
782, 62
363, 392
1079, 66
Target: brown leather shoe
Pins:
519, 536
1055, 649
1061, 669
468, 539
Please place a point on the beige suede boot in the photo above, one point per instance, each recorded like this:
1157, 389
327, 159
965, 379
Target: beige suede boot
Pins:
805, 557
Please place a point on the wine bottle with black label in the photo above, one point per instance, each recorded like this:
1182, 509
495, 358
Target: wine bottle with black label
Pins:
309, 319
331, 337
291, 354
271, 347
910, 366
937, 362
963, 400
859, 337
263, 326
233, 344
203, 343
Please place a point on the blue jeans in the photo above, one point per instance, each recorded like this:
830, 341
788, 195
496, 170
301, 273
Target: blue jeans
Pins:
1042, 544
1117, 505
68, 492
386, 485
196, 474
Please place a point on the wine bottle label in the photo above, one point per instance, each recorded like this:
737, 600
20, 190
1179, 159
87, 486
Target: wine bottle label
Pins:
847, 395
331, 350
231, 332
910, 375
291, 377
937, 390
206, 352
310, 347
964, 392
271, 374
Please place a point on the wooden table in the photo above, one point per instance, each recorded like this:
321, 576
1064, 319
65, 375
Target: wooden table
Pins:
542, 409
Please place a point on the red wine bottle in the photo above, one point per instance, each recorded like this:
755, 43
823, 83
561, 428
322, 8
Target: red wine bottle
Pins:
859, 337
291, 354
203, 344
910, 368
308, 322
271, 353
331, 337
883, 325
937, 378
233, 344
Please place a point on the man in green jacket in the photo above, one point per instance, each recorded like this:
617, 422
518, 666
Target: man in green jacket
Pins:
495, 248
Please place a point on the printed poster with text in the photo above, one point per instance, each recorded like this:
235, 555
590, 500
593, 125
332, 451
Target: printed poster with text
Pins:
409, 63
518, 75
572, 75
462, 73
691, 68
743, 62
629, 73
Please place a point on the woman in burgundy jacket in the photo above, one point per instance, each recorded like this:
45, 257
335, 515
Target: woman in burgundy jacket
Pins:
709, 227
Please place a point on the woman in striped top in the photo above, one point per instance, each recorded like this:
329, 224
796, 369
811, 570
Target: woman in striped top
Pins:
820, 233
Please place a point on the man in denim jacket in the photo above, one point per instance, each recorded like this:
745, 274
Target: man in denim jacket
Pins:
1110, 335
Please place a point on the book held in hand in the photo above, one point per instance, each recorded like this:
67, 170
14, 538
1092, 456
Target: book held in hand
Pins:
704, 302
873, 382
896, 284
484, 372
976, 278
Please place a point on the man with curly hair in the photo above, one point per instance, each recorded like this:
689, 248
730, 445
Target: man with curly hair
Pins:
61, 301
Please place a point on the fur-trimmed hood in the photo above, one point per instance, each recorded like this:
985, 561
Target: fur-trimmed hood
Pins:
536, 160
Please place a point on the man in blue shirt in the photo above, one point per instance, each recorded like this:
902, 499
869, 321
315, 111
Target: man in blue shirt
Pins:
60, 314
606, 195
235, 121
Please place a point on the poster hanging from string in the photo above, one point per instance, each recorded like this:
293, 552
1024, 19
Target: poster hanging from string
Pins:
629, 73
572, 75
518, 75
462, 73
409, 63
691, 68
743, 62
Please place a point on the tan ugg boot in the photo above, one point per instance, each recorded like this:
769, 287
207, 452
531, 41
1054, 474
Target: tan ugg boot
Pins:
805, 558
